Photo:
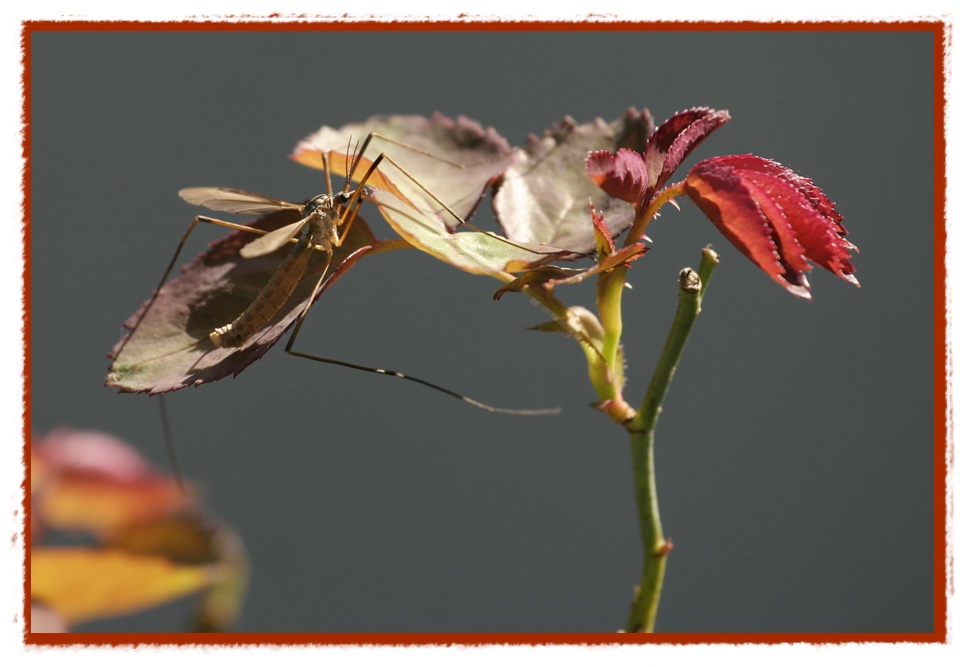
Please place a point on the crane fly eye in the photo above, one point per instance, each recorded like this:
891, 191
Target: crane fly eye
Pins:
342, 198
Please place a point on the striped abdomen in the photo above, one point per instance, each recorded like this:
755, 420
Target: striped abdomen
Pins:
268, 302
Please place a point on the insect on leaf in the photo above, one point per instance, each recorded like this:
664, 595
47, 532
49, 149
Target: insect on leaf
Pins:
170, 348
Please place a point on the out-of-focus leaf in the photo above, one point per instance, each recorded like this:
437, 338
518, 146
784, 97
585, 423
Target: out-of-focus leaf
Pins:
95, 482
94, 452
545, 196
152, 547
82, 584
180, 538
81, 502
192, 540
220, 607
45, 619
779, 220
170, 348
456, 160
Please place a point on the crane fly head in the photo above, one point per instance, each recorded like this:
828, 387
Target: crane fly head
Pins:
323, 213
326, 204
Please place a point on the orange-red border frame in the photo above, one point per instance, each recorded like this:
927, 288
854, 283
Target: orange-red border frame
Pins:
942, 409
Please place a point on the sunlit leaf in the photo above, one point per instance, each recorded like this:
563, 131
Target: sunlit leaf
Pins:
170, 349
456, 160
475, 252
545, 196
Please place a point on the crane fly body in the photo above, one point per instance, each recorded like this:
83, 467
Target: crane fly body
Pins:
317, 229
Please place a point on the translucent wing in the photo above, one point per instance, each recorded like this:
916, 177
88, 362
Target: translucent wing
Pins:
275, 240
231, 200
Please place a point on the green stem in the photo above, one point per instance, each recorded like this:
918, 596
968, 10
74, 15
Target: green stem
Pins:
643, 612
608, 377
609, 303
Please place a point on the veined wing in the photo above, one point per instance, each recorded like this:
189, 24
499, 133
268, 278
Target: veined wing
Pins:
231, 200
275, 240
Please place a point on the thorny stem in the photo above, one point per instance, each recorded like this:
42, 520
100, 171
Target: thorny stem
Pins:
606, 375
643, 611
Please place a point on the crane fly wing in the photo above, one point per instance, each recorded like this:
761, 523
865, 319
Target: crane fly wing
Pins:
231, 200
275, 240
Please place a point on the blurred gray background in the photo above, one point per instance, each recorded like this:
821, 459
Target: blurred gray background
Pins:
796, 446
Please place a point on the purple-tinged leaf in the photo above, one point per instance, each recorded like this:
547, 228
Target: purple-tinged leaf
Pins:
170, 348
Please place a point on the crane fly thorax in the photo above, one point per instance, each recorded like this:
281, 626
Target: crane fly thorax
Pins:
323, 217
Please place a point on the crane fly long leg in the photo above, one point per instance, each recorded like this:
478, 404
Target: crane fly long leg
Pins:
381, 371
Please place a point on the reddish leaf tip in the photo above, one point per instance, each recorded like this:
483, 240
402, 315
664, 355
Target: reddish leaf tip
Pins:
776, 218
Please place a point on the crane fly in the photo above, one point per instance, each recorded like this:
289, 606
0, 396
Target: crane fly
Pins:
322, 226
316, 229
